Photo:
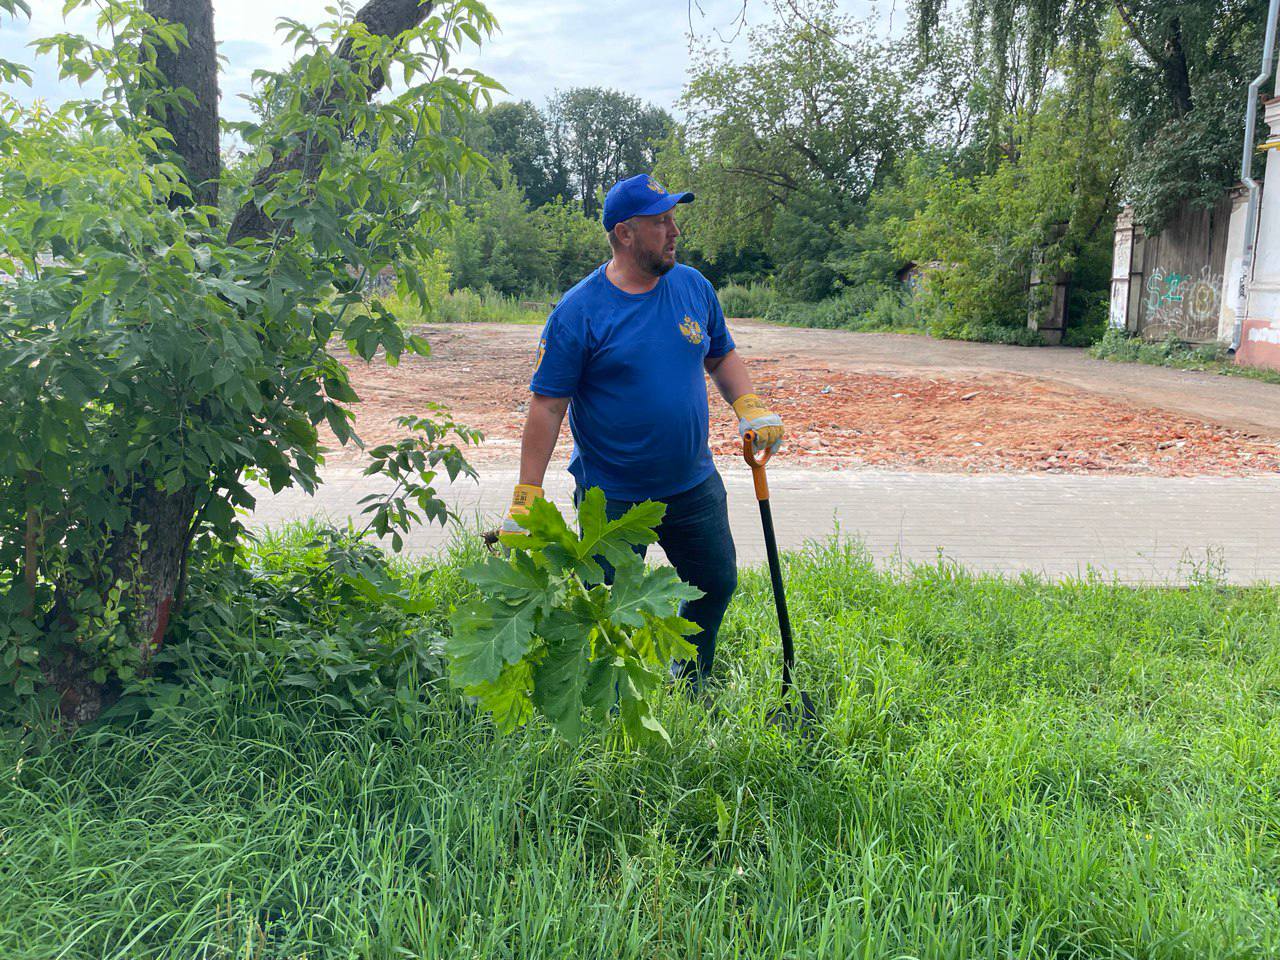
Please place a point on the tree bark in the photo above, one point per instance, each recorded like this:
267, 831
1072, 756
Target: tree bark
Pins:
386, 18
153, 565
194, 126
1174, 66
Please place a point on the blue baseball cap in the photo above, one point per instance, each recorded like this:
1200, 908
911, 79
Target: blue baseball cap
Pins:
640, 196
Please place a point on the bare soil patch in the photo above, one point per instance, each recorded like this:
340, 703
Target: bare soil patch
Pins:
837, 417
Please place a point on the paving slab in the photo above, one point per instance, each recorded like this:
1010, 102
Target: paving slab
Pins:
1132, 529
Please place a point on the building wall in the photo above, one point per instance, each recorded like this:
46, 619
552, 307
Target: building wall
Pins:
1171, 283
1260, 335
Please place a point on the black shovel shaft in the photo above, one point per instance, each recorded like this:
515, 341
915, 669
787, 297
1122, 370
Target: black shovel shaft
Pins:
779, 594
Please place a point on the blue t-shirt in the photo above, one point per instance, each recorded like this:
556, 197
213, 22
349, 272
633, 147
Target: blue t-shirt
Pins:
631, 365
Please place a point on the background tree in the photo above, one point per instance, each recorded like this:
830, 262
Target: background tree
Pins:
155, 361
518, 133
1187, 66
1051, 203
600, 136
784, 148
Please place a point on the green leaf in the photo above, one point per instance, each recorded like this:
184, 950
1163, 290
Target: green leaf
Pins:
638, 590
600, 687
507, 698
487, 635
560, 678
545, 525
640, 723
613, 539
516, 579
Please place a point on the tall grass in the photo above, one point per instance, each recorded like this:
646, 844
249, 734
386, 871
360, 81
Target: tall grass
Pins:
751, 300
870, 308
488, 306
1172, 352
467, 306
1004, 769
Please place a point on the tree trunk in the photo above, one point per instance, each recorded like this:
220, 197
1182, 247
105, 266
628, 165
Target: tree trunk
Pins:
152, 567
154, 564
1174, 66
385, 18
194, 126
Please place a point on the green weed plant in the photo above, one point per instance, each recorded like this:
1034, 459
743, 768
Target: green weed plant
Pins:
546, 632
1172, 352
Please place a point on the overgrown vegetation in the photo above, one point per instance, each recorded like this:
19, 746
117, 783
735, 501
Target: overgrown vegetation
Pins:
547, 634
1004, 769
158, 362
1172, 352
867, 308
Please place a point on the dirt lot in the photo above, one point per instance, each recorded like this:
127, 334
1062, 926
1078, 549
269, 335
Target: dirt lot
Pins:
852, 403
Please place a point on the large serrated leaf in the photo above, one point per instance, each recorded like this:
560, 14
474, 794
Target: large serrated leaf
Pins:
561, 676
486, 636
633, 528
593, 518
567, 563
669, 634
600, 688
508, 697
543, 526
638, 590
517, 578
640, 723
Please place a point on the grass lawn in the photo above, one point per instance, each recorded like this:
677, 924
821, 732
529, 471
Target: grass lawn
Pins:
1006, 769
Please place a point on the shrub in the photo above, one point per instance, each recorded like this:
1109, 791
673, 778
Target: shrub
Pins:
1170, 352
310, 612
155, 362
999, 333
489, 306
1093, 325
868, 307
751, 300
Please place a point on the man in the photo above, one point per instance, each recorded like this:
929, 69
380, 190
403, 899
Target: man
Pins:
624, 353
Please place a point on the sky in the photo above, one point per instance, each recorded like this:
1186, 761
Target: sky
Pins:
641, 48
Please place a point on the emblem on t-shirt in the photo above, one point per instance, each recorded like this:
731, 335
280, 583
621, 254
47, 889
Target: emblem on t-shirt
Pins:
542, 349
692, 331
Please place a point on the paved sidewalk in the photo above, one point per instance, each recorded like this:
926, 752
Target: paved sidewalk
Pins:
1135, 529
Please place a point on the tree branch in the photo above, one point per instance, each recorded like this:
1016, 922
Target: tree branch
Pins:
1126, 15
385, 18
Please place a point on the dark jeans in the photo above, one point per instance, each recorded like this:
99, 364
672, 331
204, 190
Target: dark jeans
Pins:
694, 534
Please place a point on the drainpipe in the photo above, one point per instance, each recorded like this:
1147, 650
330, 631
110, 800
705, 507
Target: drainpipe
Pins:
1246, 175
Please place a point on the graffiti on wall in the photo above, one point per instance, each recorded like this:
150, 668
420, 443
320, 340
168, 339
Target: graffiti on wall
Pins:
1181, 305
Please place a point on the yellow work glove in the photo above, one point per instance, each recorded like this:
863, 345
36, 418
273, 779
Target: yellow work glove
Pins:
524, 495
754, 415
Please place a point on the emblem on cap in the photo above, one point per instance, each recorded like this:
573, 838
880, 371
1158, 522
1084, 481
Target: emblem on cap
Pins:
654, 185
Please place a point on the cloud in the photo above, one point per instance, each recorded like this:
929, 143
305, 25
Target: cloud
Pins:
642, 49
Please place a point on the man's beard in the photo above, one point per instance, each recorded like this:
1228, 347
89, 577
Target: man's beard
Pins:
654, 263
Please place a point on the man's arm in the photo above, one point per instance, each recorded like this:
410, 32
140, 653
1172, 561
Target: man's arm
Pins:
541, 430
729, 373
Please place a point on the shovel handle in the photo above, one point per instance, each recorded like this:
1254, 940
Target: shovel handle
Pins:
756, 461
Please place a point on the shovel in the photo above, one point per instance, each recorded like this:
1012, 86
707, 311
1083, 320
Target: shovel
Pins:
797, 712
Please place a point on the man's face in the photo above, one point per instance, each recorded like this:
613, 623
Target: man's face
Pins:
654, 242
